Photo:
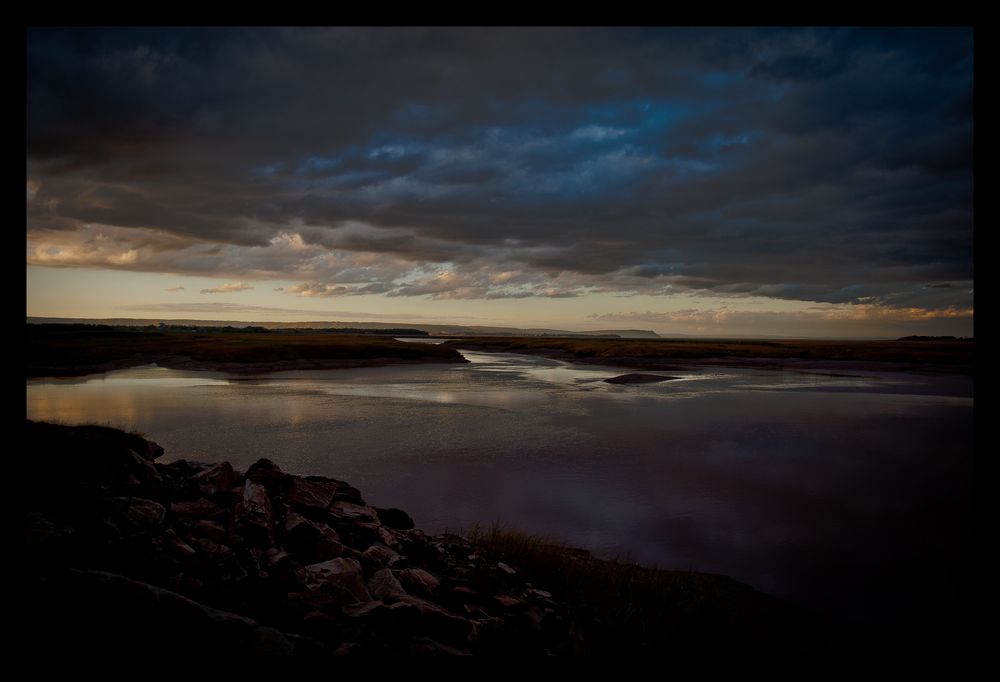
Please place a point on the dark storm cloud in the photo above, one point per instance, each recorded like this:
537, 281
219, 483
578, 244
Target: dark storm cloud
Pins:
827, 165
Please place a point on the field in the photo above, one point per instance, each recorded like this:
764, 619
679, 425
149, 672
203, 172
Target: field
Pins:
952, 355
66, 350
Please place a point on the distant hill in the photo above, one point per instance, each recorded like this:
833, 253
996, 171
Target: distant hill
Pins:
934, 338
431, 329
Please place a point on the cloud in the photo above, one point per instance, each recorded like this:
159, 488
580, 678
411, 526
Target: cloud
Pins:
176, 288
824, 165
219, 309
228, 288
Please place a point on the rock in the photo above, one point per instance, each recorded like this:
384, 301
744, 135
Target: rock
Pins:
201, 509
341, 578
95, 613
394, 518
208, 529
363, 609
173, 544
418, 581
361, 534
343, 492
140, 513
215, 479
541, 593
505, 568
348, 511
211, 548
384, 585
268, 474
43, 536
310, 495
425, 646
314, 542
507, 601
436, 620
638, 379
254, 516
380, 555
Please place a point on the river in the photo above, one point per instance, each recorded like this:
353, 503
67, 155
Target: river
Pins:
850, 494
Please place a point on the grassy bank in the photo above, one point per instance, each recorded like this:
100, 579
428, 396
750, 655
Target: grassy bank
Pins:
54, 350
625, 608
658, 353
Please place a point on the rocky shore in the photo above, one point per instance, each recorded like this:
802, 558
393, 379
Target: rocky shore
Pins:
124, 554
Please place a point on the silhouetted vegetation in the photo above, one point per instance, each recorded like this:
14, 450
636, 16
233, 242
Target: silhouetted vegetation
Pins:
626, 608
657, 353
54, 350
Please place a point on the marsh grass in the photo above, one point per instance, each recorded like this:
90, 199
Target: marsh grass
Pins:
622, 607
67, 347
624, 351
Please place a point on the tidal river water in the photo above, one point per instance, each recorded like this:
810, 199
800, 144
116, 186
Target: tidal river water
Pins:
847, 493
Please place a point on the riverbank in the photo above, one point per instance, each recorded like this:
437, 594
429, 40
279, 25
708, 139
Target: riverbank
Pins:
77, 350
125, 554
680, 354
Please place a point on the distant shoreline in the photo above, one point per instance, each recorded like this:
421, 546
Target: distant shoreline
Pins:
668, 355
70, 352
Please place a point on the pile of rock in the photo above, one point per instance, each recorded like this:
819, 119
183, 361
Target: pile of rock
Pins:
122, 551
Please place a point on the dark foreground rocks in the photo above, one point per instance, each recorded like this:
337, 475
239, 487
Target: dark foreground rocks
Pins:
125, 555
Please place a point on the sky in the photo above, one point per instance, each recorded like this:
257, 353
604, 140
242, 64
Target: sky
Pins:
718, 182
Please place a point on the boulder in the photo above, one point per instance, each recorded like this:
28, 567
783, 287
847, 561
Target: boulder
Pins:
200, 509
268, 474
348, 511
138, 513
384, 585
394, 518
215, 479
253, 515
310, 495
418, 581
95, 613
434, 620
341, 578
313, 542
379, 555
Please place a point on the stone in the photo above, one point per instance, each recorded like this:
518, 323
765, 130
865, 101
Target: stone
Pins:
505, 568
215, 479
507, 601
341, 578
314, 542
200, 508
348, 511
310, 495
394, 518
425, 646
173, 544
436, 620
418, 581
268, 474
380, 555
140, 513
103, 614
363, 609
384, 585
254, 516
209, 529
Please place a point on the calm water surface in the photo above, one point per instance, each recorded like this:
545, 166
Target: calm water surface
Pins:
848, 493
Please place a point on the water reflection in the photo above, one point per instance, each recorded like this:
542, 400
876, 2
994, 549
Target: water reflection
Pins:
846, 492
